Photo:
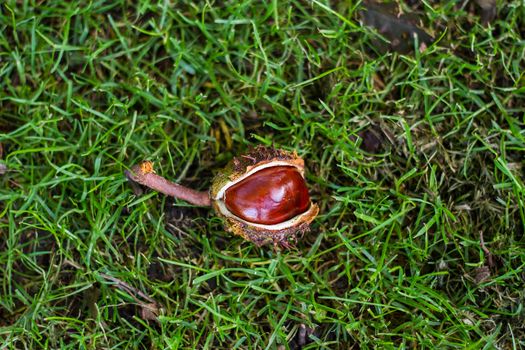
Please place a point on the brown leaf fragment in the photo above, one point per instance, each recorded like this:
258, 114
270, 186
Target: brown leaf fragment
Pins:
149, 311
303, 335
398, 30
488, 10
481, 274
372, 140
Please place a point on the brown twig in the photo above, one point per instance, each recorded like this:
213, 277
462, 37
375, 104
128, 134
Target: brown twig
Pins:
127, 288
145, 175
485, 249
149, 310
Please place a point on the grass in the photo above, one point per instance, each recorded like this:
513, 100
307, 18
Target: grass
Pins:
413, 159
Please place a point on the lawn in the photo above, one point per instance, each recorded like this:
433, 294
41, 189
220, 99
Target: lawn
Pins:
414, 150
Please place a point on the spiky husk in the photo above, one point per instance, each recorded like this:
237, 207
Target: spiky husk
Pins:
279, 238
234, 171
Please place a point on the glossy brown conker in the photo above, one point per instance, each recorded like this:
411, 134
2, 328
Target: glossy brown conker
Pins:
269, 196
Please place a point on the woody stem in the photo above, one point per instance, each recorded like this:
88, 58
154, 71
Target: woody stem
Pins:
144, 175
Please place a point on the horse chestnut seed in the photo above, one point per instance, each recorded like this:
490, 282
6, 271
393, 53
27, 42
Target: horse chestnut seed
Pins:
261, 195
269, 196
